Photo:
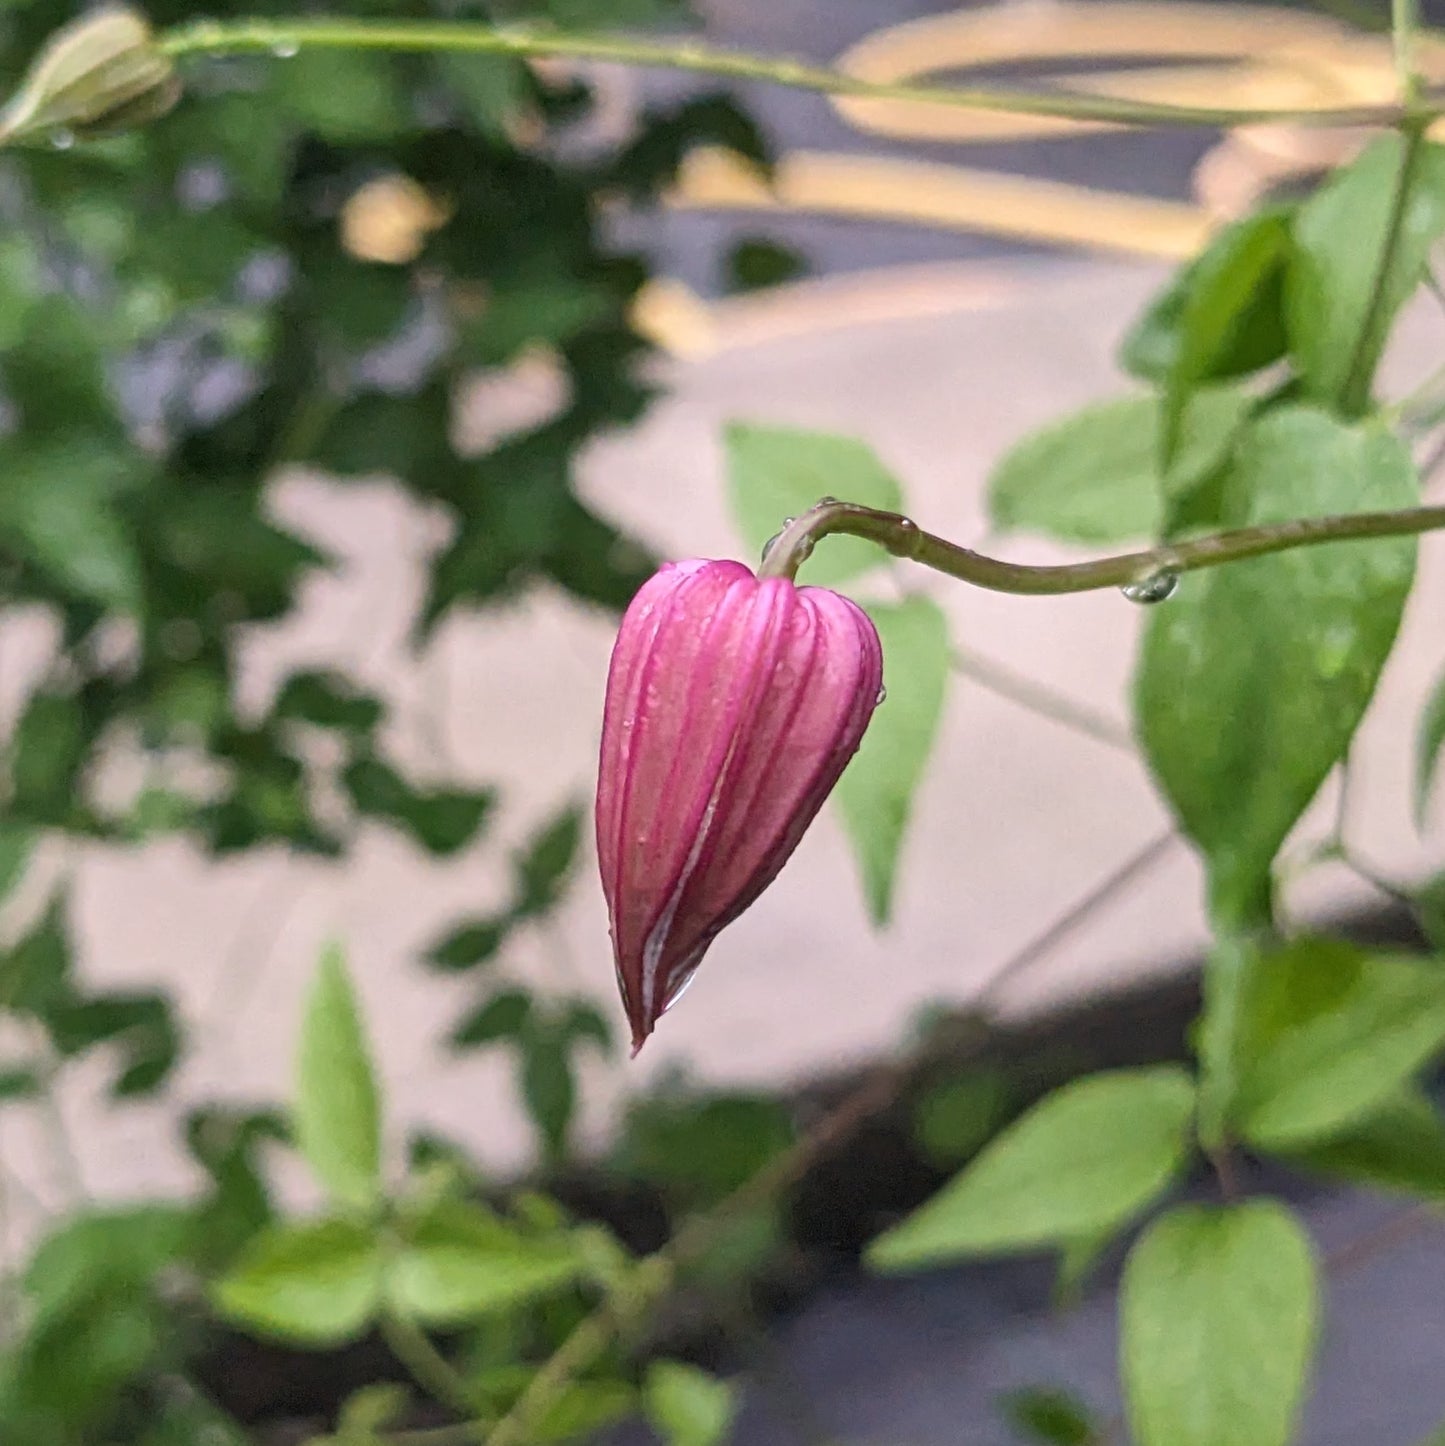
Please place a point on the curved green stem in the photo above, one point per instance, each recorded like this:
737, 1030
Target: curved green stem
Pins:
904, 538
286, 37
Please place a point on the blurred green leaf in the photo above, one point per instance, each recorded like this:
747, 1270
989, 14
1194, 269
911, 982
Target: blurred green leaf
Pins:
317, 1284
1218, 1317
954, 1118
548, 1081
1429, 901
1096, 476
48, 751
1085, 1159
459, 1262
17, 843
1274, 661
470, 944
1342, 292
1400, 1147
777, 473
337, 1110
1044, 1413
756, 262
442, 820
226, 1144
342, 95
503, 1016
1428, 748
875, 793
688, 1406
140, 1028
1327, 1033
326, 700
541, 868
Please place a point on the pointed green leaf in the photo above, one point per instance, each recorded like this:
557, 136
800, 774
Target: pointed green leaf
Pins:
875, 794
337, 1112
317, 1284
460, 1263
1343, 290
1254, 676
1398, 1147
1328, 1032
687, 1406
1096, 477
1218, 1317
1084, 1160
775, 473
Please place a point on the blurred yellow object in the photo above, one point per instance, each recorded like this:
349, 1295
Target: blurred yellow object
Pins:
388, 220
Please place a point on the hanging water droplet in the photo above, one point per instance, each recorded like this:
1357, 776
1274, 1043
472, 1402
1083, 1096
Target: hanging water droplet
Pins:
285, 49
882, 696
1152, 589
62, 139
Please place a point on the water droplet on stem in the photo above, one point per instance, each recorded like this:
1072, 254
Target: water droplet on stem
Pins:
1152, 589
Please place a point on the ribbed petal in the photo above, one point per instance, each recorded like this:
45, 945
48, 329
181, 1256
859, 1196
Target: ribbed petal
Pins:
733, 705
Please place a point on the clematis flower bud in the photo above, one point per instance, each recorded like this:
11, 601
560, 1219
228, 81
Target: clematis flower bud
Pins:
733, 705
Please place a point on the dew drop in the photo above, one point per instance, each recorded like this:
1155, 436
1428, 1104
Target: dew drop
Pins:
1152, 589
285, 49
62, 140
882, 696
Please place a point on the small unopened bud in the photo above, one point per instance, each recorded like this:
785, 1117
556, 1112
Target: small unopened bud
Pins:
98, 75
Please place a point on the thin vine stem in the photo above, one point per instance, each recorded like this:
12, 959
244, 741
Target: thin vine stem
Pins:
286, 37
903, 538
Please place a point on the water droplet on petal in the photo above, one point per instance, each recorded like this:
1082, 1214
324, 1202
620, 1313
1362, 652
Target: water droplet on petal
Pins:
62, 139
882, 696
1152, 589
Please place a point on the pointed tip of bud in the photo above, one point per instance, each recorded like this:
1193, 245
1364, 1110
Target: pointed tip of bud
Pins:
99, 75
733, 705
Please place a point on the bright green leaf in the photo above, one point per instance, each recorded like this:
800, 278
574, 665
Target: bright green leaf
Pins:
460, 1263
1218, 1316
1398, 1147
1254, 676
1095, 476
1339, 303
955, 1117
317, 1284
1085, 1159
875, 793
1327, 1034
688, 1406
775, 473
337, 1112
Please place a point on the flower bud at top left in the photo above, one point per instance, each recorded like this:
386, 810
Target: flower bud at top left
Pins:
99, 75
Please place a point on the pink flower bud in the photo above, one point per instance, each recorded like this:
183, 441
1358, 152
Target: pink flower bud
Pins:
733, 705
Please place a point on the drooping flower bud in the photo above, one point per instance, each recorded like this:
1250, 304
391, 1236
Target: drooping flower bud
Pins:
733, 705
100, 74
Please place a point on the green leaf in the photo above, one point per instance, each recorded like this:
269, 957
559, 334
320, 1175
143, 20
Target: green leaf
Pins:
367, 1413
1044, 1413
442, 821
1218, 1317
58, 505
875, 794
343, 95
1085, 1159
1221, 316
49, 751
318, 1283
688, 1406
1428, 748
1339, 302
1255, 675
504, 1016
470, 945
549, 1083
337, 1112
1095, 476
326, 700
16, 845
775, 473
460, 1263
542, 867
954, 1118
1328, 1033
1429, 902
755, 263
1398, 1147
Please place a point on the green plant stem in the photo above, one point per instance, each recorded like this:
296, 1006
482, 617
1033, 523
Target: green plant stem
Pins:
904, 538
1404, 23
428, 1367
284, 37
